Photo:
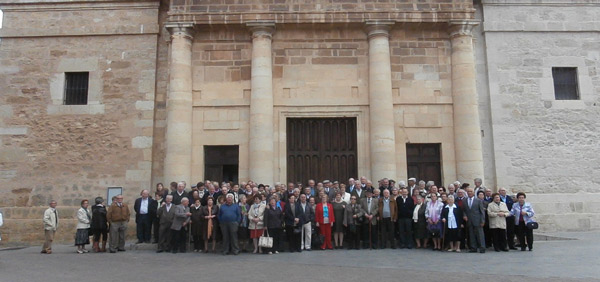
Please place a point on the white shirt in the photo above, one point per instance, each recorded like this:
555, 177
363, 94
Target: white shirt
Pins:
144, 206
168, 206
451, 219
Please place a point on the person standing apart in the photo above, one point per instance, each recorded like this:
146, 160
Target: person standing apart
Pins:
50, 226
82, 236
99, 225
118, 216
523, 213
145, 212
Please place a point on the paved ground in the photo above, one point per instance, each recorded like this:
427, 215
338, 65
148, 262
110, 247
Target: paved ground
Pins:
556, 260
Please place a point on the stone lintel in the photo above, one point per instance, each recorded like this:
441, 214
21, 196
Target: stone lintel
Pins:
461, 28
185, 30
378, 28
259, 29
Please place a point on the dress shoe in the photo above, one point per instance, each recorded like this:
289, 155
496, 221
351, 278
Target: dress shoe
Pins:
482, 251
513, 248
472, 251
505, 250
409, 247
112, 251
159, 251
139, 242
43, 252
121, 250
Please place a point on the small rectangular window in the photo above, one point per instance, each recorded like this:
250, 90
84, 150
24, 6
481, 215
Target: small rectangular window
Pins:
565, 83
76, 88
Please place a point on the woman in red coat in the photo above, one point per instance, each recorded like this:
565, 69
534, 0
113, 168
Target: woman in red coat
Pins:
324, 218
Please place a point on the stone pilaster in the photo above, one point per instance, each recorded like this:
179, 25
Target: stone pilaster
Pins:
467, 130
260, 146
381, 108
178, 158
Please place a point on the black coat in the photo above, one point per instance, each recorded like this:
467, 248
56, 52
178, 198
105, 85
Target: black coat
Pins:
273, 218
458, 214
99, 218
152, 208
289, 216
405, 209
177, 198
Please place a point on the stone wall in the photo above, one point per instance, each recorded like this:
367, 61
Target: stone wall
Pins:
67, 153
542, 146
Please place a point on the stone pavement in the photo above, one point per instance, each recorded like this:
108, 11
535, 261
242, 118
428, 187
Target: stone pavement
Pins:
552, 260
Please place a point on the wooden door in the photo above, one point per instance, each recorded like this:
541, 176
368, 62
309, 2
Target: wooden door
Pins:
221, 163
424, 162
321, 148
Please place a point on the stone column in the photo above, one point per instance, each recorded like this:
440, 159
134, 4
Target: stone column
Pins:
178, 157
260, 146
467, 131
381, 108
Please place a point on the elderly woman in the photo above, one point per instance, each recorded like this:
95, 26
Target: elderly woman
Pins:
325, 219
497, 212
339, 208
420, 222
82, 237
523, 213
345, 195
209, 223
256, 221
353, 219
273, 219
243, 231
486, 227
196, 220
452, 217
99, 225
434, 223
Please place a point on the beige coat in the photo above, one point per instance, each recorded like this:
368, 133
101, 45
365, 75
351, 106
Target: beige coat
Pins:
83, 221
50, 222
493, 211
256, 225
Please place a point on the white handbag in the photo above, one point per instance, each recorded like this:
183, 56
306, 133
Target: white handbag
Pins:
265, 241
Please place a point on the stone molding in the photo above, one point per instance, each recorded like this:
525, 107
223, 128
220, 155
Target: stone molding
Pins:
378, 28
185, 30
462, 28
261, 29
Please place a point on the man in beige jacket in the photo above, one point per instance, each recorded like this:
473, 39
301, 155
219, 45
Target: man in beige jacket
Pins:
118, 217
50, 225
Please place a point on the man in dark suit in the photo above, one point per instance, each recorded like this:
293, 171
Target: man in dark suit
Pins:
294, 219
406, 207
510, 220
474, 215
210, 193
287, 193
351, 185
179, 193
329, 191
358, 192
145, 212
371, 207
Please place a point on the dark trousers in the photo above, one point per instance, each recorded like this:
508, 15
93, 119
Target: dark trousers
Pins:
230, 237
144, 228
498, 238
522, 233
405, 230
387, 232
510, 231
486, 232
354, 237
293, 238
97, 233
178, 240
476, 237
155, 227
165, 238
276, 234
365, 235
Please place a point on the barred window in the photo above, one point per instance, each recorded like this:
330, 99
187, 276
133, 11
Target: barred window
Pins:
565, 83
76, 88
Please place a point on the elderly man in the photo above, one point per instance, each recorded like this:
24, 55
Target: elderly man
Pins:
118, 217
412, 184
452, 190
229, 218
388, 214
179, 193
371, 207
145, 212
385, 185
50, 226
478, 185
474, 216
311, 185
294, 219
308, 219
406, 208
166, 213
510, 220
181, 218
329, 191
351, 185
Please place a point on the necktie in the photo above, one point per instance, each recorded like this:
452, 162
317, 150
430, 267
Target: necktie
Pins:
210, 224
470, 202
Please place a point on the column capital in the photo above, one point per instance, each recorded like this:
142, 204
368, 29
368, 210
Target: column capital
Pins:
261, 29
461, 28
378, 28
185, 30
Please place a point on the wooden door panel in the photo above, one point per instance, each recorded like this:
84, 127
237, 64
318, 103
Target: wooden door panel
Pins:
327, 146
424, 162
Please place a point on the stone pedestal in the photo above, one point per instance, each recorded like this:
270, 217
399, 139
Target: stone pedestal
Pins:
178, 141
261, 105
467, 130
381, 108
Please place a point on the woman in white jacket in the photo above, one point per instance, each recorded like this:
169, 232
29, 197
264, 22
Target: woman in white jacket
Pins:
256, 221
82, 237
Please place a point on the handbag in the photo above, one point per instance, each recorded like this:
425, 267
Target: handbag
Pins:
297, 229
533, 225
265, 241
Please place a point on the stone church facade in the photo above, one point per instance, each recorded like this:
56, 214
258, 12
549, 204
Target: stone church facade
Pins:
281, 90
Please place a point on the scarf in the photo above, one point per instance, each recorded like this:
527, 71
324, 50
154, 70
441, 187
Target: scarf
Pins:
416, 213
210, 223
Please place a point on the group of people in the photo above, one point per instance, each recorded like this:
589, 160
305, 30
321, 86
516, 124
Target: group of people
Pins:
324, 215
